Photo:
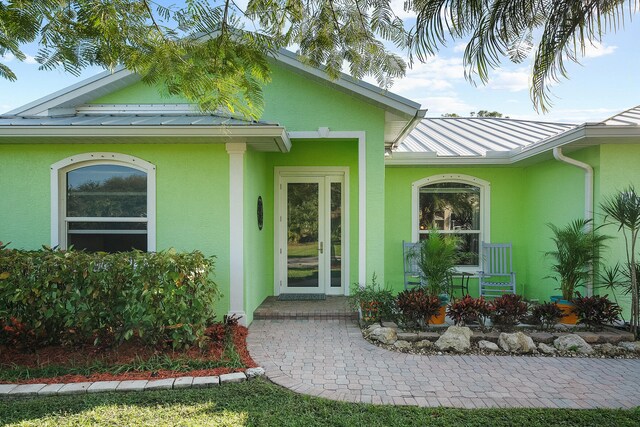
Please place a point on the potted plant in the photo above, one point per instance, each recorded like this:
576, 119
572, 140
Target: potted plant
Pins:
577, 250
373, 302
437, 260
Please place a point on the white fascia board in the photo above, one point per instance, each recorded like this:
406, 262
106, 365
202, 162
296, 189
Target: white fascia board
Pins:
81, 89
384, 98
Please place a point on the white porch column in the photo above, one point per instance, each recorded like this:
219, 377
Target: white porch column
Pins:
236, 233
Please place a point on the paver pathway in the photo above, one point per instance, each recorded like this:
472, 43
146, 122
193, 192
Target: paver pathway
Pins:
329, 358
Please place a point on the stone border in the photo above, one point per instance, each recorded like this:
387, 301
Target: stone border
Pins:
32, 390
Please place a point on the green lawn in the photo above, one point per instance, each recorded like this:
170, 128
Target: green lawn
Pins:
261, 403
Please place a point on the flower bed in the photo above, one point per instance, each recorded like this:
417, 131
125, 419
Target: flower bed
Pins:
560, 341
130, 361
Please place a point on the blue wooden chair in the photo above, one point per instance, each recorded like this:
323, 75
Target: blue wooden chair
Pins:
411, 255
497, 276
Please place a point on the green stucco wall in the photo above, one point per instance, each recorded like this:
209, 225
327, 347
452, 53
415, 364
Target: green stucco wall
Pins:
192, 194
505, 212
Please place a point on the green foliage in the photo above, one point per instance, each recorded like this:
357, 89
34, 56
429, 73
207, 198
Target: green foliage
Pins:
623, 210
468, 310
547, 314
77, 297
508, 310
596, 311
417, 306
577, 249
375, 302
499, 29
437, 259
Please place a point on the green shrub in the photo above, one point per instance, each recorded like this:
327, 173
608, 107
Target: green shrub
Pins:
373, 301
76, 297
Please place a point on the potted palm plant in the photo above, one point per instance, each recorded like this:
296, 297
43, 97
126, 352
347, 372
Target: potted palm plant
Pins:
437, 260
577, 250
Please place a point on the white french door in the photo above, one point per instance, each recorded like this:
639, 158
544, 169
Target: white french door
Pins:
311, 232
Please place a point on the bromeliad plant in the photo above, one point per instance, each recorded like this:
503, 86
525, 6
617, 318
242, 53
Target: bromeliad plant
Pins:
578, 248
596, 311
547, 314
468, 310
417, 306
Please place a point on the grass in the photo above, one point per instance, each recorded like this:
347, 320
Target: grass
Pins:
230, 359
260, 403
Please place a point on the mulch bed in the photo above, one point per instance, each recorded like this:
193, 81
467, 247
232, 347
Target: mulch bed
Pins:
123, 354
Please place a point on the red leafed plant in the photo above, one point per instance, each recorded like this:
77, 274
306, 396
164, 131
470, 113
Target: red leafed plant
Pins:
547, 314
16, 334
595, 311
468, 309
416, 305
508, 310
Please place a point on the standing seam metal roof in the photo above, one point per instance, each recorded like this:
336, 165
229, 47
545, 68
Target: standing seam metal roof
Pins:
474, 136
630, 117
129, 120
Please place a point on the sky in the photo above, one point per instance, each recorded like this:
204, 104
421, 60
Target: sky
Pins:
606, 82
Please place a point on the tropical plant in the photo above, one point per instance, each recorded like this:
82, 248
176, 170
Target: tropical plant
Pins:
578, 249
373, 301
623, 210
468, 310
437, 258
505, 28
547, 314
596, 311
416, 305
508, 310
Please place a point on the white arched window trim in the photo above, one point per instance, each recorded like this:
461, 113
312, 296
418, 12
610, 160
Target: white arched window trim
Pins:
58, 185
485, 206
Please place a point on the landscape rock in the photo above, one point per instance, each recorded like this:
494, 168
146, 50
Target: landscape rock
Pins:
385, 335
630, 346
560, 327
572, 342
372, 328
402, 345
543, 337
546, 349
456, 338
609, 349
408, 336
254, 372
488, 345
389, 325
424, 344
516, 343
432, 336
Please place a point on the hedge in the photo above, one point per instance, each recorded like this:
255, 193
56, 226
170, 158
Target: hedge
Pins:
75, 297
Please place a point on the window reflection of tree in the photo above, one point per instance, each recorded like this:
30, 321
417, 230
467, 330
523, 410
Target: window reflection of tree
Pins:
303, 212
116, 196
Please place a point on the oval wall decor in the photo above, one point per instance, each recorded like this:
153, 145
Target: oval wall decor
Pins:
260, 213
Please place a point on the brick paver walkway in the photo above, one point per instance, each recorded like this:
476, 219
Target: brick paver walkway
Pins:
329, 358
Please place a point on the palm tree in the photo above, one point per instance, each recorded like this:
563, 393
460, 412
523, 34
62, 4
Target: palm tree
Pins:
623, 209
505, 28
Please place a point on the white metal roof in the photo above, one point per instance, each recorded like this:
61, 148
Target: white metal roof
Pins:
630, 117
476, 136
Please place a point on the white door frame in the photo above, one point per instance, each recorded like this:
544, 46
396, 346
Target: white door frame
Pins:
281, 174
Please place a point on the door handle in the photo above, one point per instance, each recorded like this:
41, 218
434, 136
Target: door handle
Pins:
321, 247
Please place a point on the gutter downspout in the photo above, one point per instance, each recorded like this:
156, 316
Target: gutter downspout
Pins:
588, 195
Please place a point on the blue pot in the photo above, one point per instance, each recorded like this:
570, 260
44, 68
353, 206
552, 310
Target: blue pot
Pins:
558, 300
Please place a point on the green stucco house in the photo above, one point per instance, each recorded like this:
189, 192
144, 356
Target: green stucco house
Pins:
319, 194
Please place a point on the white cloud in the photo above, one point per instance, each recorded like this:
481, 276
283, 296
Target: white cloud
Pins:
460, 47
511, 80
10, 57
398, 8
438, 105
597, 49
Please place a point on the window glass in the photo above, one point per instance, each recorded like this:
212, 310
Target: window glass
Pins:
106, 191
106, 208
452, 208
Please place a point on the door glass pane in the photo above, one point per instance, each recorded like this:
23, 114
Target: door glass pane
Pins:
106, 191
302, 240
336, 234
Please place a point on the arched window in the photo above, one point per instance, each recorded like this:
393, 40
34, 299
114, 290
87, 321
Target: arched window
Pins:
103, 202
453, 204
